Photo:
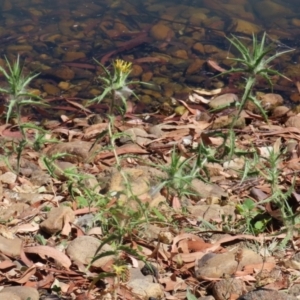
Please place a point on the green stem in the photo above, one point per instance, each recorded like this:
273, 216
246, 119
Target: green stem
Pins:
19, 114
112, 103
113, 145
248, 89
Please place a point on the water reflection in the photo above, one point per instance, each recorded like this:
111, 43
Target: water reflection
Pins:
169, 43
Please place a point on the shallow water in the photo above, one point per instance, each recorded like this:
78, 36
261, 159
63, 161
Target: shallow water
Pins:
169, 43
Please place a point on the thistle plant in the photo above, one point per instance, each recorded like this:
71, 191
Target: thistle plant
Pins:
18, 96
180, 173
17, 88
116, 85
253, 63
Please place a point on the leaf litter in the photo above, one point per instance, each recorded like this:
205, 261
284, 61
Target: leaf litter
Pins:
180, 241
47, 263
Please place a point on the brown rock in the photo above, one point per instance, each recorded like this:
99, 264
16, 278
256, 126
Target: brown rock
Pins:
63, 85
199, 48
161, 32
145, 289
292, 71
216, 265
65, 26
84, 249
266, 294
293, 121
214, 169
145, 99
77, 151
23, 292
63, 73
243, 26
159, 201
180, 54
147, 76
72, 56
9, 295
211, 211
7, 5
228, 288
211, 49
226, 121
294, 290
223, 101
10, 247
8, 178
195, 66
14, 210
280, 111
19, 48
39, 177
270, 101
136, 135
295, 97
296, 22
139, 183
269, 9
136, 71
198, 18
26, 28
213, 265
51, 89
56, 219
207, 190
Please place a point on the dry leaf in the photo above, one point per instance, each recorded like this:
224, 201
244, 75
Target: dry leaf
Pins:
28, 227
6, 264
6, 232
25, 276
46, 251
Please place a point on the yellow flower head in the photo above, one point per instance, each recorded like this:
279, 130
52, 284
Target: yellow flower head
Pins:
122, 66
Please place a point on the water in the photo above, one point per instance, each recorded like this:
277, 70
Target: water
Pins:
169, 43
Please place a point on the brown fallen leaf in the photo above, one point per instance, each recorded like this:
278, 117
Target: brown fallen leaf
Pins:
78, 105
250, 269
173, 285
6, 264
86, 210
288, 132
198, 245
125, 149
46, 251
188, 257
260, 239
25, 276
215, 65
94, 130
46, 282
183, 236
183, 246
191, 110
6, 232
297, 83
27, 228
67, 227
